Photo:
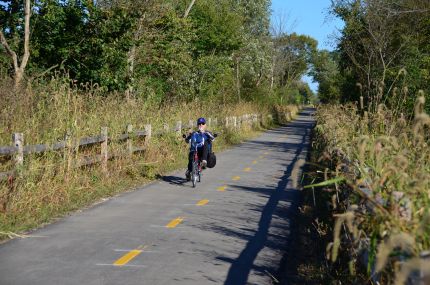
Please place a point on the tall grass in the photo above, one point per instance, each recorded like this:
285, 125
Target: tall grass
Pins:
388, 155
47, 186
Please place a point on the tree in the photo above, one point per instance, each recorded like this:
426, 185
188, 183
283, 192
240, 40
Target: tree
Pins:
161, 50
219, 28
19, 67
305, 92
293, 54
384, 44
325, 71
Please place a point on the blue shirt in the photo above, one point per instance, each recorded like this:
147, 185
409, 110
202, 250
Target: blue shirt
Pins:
198, 139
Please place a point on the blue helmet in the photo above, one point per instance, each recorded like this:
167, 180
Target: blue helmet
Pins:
201, 121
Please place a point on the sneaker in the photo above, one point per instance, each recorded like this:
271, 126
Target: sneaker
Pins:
204, 163
188, 175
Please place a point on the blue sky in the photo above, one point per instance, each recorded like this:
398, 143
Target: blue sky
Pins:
309, 17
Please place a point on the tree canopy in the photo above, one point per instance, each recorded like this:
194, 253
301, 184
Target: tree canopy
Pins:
160, 50
383, 53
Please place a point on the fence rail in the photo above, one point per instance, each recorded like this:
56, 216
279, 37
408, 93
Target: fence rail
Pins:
18, 151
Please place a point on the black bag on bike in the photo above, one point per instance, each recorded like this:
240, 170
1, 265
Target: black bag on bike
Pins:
211, 160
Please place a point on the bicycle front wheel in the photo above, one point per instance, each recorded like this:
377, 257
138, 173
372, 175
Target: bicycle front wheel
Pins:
194, 174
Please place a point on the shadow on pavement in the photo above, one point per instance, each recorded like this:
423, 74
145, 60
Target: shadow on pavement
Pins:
244, 263
174, 180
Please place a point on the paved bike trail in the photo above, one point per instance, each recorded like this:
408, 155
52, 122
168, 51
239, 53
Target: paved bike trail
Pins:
232, 229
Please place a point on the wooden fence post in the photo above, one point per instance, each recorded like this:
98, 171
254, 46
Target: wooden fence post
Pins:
166, 127
226, 122
209, 122
18, 141
104, 148
216, 122
178, 127
235, 122
148, 131
190, 124
129, 141
68, 151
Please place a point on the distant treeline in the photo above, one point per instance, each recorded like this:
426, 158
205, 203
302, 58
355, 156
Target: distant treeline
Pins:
162, 50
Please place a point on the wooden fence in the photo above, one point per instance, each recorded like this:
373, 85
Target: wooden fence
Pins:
18, 151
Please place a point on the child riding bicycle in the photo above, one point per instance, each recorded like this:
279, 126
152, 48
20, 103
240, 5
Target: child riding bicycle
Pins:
200, 140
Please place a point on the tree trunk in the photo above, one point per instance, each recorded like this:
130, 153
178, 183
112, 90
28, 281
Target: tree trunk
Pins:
131, 59
238, 78
189, 8
19, 74
19, 69
272, 75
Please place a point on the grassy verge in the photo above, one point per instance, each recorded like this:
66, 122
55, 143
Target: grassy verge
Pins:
307, 261
47, 187
378, 236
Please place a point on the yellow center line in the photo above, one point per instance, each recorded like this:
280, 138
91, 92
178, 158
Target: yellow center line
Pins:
202, 202
126, 258
173, 223
248, 169
222, 188
261, 157
236, 178
266, 153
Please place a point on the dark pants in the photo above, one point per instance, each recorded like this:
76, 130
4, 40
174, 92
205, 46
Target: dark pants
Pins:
202, 154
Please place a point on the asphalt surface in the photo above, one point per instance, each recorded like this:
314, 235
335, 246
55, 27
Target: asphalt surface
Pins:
159, 234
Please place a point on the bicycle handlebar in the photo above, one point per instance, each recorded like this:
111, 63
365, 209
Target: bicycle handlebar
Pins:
185, 136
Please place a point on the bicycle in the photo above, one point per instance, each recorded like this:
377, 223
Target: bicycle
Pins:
196, 170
